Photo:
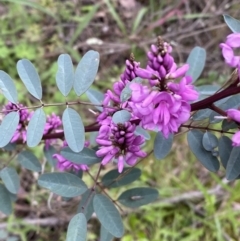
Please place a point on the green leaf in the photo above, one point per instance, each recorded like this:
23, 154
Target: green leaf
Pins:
121, 116
105, 235
77, 228
7, 87
225, 148
5, 200
137, 197
65, 74
86, 156
233, 164
96, 97
108, 215
48, 153
29, 161
63, 184
11, 179
111, 180
86, 72
205, 157
207, 90
232, 23
10, 147
8, 127
209, 141
87, 199
36, 128
126, 93
73, 129
141, 132
202, 114
227, 125
196, 61
162, 146
30, 78
231, 103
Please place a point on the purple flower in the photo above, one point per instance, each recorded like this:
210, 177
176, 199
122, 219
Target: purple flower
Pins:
161, 111
130, 71
233, 41
160, 63
52, 124
64, 164
236, 139
233, 114
176, 73
184, 89
147, 74
119, 142
228, 55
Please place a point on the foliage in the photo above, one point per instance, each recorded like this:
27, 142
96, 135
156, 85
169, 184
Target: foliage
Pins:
118, 138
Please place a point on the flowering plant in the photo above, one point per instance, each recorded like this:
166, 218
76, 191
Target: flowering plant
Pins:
159, 98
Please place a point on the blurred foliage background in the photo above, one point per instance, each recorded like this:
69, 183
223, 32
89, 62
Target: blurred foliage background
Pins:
194, 204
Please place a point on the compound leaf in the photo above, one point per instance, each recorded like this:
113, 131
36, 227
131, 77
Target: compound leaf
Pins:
48, 153
86, 72
105, 235
225, 148
73, 129
196, 61
7, 87
111, 180
29, 161
8, 127
121, 116
162, 146
141, 132
63, 184
96, 97
233, 164
65, 74
30, 78
77, 228
87, 199
86, 156
209, 141
137, 197
36, 128
232, 23
108, 215
5, 200
11, 179
209, 161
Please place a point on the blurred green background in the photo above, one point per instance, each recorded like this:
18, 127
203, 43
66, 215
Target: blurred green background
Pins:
194, 204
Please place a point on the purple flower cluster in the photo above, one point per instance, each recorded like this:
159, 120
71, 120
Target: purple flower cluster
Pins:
52, 124
167, 105
113, 97
162, 105
232, 41
66, 165
119, 142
